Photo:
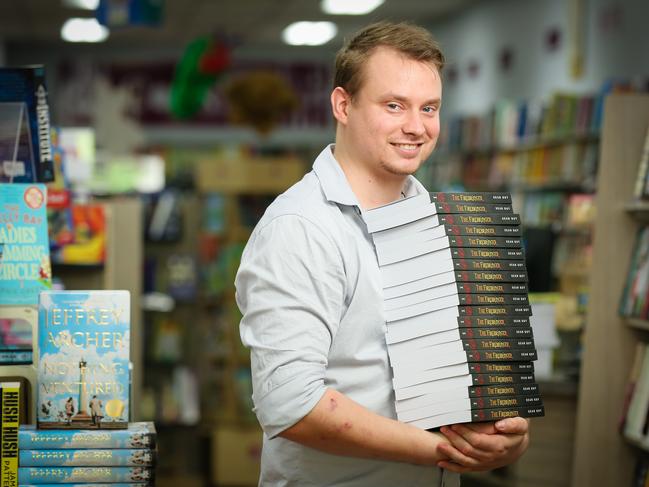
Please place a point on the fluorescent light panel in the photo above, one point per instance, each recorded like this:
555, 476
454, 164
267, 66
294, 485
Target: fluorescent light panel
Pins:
349, 7
83, 30
82, 4
309, 33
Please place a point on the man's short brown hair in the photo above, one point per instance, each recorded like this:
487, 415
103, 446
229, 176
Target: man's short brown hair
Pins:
412, 41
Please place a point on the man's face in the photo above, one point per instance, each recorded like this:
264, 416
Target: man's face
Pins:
393, 120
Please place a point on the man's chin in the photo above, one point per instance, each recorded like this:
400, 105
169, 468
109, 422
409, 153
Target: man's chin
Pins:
402, 170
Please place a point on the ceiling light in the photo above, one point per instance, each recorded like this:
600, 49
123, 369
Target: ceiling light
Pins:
82, 4
347, 7
83, 30
309, 33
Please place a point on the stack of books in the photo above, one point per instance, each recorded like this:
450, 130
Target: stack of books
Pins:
87, 456
455, 296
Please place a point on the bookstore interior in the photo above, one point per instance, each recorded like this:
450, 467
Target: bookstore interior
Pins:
142, 140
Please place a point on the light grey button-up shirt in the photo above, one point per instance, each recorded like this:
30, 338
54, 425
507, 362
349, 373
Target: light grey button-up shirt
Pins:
310, 292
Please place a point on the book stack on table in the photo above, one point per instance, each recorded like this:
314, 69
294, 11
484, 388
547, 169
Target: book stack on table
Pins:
118, 457
455, 297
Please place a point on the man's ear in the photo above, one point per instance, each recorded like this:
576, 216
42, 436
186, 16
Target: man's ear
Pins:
340, 103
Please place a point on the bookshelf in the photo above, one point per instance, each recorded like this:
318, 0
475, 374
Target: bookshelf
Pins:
602, 455
121, 270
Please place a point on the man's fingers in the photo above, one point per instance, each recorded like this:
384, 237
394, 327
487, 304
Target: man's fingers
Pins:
512, 426
464, 446
456, 456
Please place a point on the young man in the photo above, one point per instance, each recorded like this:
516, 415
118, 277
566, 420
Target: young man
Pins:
309, 290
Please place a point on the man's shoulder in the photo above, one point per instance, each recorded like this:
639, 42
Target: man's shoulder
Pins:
304, 200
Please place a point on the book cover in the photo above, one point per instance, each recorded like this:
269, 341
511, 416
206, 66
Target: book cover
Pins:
10, 409
641, 188
517, 266
467, 392
490, 276
496, 402
75, 475
17, 325
488, 242
25, 111
478, 415
483, 230
25, 268
83, 370
476, 197
505, 332
635, 302
87, 458
484, 219
493, 321
137, 435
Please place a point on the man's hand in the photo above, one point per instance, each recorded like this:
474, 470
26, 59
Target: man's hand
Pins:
483, 446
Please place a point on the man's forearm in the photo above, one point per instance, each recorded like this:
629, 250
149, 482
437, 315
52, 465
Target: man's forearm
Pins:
341, 426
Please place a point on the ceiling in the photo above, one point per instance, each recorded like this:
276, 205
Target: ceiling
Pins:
249, 23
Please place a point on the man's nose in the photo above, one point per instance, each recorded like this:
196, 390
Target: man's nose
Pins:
414, 123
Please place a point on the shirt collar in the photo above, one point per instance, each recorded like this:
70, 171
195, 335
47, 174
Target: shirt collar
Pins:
335, 185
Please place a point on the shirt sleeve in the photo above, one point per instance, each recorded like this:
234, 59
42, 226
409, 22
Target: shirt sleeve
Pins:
290, 288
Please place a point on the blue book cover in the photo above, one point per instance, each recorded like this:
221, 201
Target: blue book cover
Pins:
25, 142
83, 366
110, 457
25, 267
137, 435
75, 475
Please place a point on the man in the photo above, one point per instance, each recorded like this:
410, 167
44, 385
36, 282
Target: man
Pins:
309, 290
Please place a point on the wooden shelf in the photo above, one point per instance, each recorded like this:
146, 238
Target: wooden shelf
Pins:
639, 210
638, 323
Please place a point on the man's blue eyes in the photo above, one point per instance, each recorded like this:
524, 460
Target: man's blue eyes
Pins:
427, 109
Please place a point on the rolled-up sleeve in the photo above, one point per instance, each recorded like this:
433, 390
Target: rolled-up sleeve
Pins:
290, 288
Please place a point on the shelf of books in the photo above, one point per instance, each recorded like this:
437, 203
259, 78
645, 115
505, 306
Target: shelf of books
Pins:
610, 409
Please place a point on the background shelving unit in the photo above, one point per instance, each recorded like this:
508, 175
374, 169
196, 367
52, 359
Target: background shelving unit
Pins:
602, 456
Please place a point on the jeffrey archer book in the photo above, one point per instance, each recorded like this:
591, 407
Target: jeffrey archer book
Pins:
83, 369
137, 435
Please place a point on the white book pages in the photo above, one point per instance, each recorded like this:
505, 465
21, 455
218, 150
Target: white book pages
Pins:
420, 296
433, 387
401, 351
422, 308
443, 419
411, 239
407, 229
438, 246
419, 285
433, 398
396, 208
413, 269
419, 359
639, 405
435, 322
401, 218
414, 377
461, 404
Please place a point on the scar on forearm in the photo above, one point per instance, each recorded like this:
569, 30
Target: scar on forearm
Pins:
332, 404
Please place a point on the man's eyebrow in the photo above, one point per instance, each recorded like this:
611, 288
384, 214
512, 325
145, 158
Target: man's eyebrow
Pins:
398, 97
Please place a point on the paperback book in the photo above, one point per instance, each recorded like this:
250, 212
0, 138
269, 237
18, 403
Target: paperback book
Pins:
83, 370
140, 457
136, 435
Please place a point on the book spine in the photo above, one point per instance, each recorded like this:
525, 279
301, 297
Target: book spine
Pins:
493, 321
505, 390
10, 410
501, 367
502, 413
472, 209
15, 357
505, 332
93, 484
496, 402
490, 276
493, 299
486, 197
45, 162
485, 242
497, 344
484, 219
473, 253
87, 458
501, 355
489, 265
66, 475
489, 288
501, 379
483, 230
32, 439
495, 310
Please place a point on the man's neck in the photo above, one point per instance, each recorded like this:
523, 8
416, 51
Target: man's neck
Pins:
371, 190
